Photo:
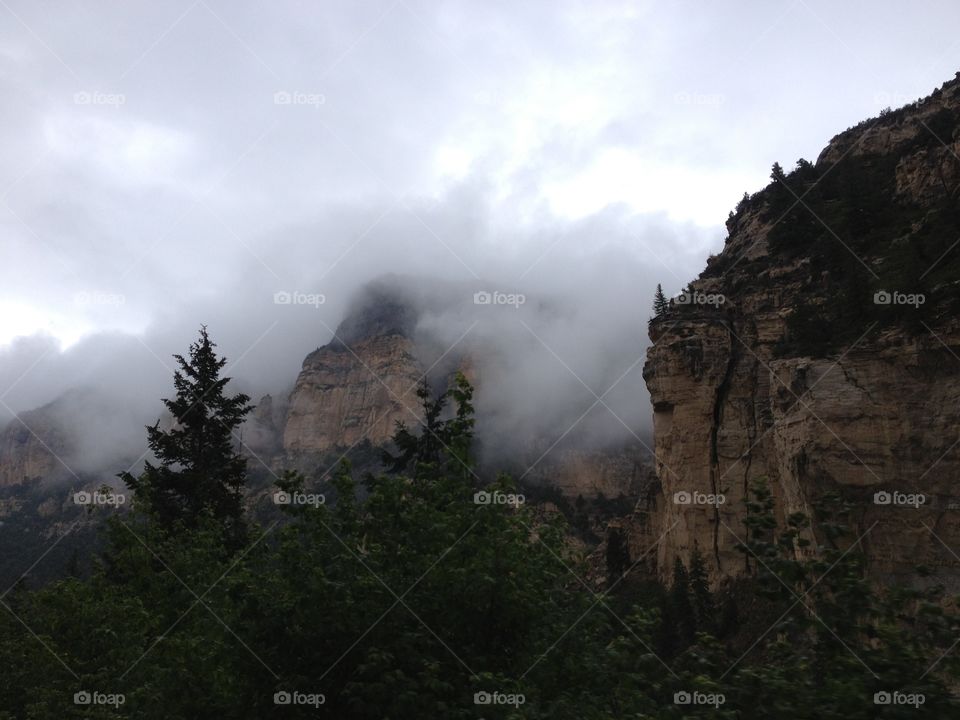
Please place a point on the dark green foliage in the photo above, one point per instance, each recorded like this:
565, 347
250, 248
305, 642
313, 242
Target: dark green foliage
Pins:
617, 557
679, 625
852, 232
444, 444
408, 601
660, 303
199, 472
25, 534
704, 606
861, 238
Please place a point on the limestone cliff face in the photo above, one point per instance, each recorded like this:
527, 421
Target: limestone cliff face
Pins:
350, 392
345, 394
810, 371
29, 446
608, 473
358, 386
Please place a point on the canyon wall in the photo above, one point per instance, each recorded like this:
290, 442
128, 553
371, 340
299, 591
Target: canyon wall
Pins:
820, 353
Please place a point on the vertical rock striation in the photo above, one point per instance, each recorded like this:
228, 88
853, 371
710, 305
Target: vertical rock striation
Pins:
821, 351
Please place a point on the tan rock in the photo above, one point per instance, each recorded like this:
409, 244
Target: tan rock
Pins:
882, 416
346, 394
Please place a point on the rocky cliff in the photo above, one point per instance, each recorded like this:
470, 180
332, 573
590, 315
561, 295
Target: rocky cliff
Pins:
347, 393
356, 388
30, 445
820, 351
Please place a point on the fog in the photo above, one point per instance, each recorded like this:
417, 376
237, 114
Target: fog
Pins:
579, 325
177, 164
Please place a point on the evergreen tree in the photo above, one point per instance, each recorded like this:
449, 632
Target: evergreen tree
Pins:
660, 303
703, 605
618, 555
776, 173
678, 623
198, 472
443, 444
679, 598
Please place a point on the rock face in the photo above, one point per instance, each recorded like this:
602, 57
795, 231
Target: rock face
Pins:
362, 383
358, 386
608, 473
349, 394
29, 447
345, 394
811, 371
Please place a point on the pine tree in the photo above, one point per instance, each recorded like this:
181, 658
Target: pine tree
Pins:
660, 304
199, 471
618, 555
677, 623
443, 446
679, 599
704, 607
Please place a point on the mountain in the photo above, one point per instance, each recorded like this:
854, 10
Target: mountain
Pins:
820, 351
353, 391
29, 446
346, 401
359, 385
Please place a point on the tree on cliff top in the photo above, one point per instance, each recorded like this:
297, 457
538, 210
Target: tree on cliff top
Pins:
660, 304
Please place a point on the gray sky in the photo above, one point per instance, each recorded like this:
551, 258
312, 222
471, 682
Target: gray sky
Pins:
167, 164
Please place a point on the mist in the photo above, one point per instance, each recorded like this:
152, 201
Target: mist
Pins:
579, 331
167, 166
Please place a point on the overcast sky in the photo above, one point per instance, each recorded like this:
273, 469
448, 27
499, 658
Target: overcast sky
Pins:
166, 164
